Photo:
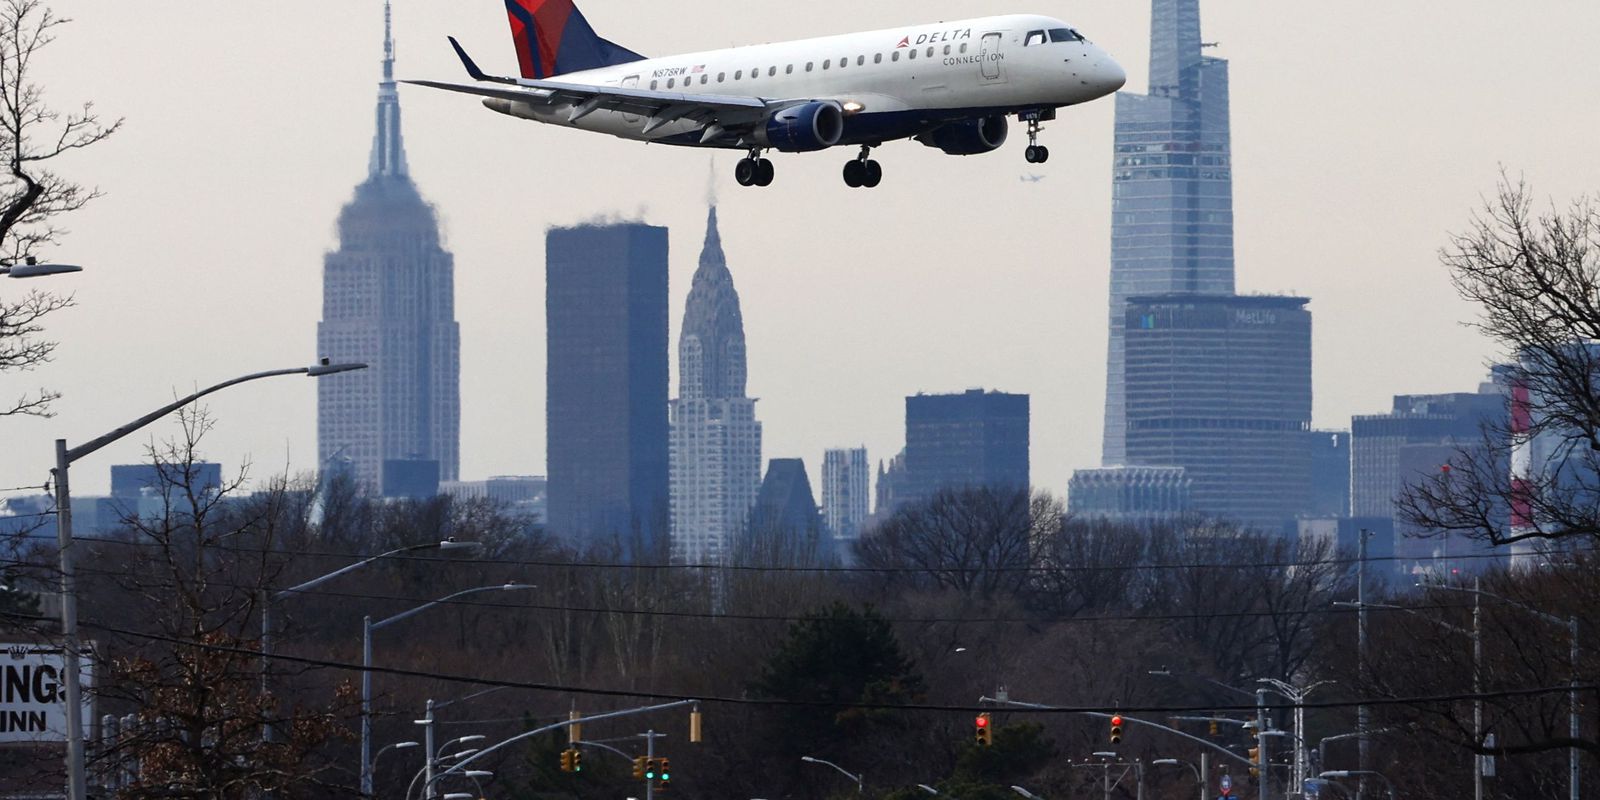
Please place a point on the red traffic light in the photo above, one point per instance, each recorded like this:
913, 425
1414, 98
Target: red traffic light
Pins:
1117, 721
982, 721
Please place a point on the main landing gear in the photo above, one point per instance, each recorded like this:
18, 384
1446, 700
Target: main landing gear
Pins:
754, 170
863, 171
1036, 153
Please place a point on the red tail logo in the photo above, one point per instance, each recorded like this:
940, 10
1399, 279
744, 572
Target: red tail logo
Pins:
537, 27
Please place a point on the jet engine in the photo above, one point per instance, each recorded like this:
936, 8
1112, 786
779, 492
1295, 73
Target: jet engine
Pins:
803, 128
969, 137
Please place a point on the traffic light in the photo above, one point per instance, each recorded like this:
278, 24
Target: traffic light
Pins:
666, 772
577, 760
638, 768
1116, 729
1255, 760
650, 769
566, 761
984, 735
1214, 728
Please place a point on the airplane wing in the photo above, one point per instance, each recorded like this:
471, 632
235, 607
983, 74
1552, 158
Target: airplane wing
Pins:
720, 114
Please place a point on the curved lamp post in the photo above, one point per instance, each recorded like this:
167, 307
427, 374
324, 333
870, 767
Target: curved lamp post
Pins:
859, 779
367, 627
1350, 773
65, 456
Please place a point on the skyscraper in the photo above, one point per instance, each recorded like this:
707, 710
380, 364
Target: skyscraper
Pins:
973, 439
388, 300
606, 384
1221, 386
1133, 495
716, 440
1172, 203
846, 477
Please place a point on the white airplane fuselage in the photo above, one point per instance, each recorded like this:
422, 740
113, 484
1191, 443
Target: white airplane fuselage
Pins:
891, 84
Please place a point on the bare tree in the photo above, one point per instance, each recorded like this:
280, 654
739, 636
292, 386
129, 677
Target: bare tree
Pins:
33, 196
1536, 280
180, 627
979, 541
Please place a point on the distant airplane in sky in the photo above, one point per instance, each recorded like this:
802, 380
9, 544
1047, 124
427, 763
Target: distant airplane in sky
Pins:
949, 85
1031, 178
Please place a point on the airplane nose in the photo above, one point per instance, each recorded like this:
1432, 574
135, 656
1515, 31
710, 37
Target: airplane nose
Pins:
1111, 76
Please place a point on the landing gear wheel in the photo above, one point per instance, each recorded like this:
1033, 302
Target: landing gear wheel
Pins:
873, 176
764, 172
855, 173
745, 172
1043, 154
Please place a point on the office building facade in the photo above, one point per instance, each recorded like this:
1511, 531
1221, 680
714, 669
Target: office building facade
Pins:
1131, 495
388, 301
1172, 184
846, 481
968, 440
716, 440
606, 385
1221, 386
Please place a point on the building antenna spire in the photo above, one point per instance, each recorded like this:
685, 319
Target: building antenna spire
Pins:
388, 42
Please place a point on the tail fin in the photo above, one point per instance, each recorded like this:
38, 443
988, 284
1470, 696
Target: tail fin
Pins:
553, 38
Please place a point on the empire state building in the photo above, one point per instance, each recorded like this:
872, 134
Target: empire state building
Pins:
388, 300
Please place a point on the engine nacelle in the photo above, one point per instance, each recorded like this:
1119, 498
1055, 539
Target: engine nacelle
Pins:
969, 137
803, 128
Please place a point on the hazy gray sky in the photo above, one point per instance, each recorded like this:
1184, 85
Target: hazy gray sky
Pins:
1363, 133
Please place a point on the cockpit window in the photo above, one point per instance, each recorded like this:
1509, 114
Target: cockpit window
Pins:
1065, 35
1033, 38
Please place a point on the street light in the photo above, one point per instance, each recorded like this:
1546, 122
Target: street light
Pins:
859, 779
1025, 793
1351, 773
76, 780
1198, 775
367, 627
269, 597
31, 268
929, 789
395, 746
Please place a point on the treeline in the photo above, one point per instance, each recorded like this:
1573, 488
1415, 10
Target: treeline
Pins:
969, 594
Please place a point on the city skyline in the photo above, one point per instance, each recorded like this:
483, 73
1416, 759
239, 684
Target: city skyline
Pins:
279, 180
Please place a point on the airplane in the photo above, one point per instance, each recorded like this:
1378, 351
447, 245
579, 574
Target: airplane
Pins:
1031, 178
948, 85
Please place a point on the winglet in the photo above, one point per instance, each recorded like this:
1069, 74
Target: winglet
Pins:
472, 67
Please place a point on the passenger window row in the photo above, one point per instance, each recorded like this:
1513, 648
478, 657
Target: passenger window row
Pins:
810, 66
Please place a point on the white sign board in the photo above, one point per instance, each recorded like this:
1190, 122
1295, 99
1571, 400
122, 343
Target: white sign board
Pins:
33, 694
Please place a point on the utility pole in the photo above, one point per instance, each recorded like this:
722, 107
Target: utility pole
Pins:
1477, 689
1572, 711
1205, 775
1261, 743
1362, 719
428, 752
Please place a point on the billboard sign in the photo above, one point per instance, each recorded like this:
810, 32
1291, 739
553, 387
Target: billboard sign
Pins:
33, 693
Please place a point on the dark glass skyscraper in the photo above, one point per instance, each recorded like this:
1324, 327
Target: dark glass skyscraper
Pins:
388, 300
1172, 203
606, 385
1221, 386
973, 439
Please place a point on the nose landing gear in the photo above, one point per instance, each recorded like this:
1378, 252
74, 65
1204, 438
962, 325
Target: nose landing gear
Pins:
863, 171
1036, 153
753, 170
